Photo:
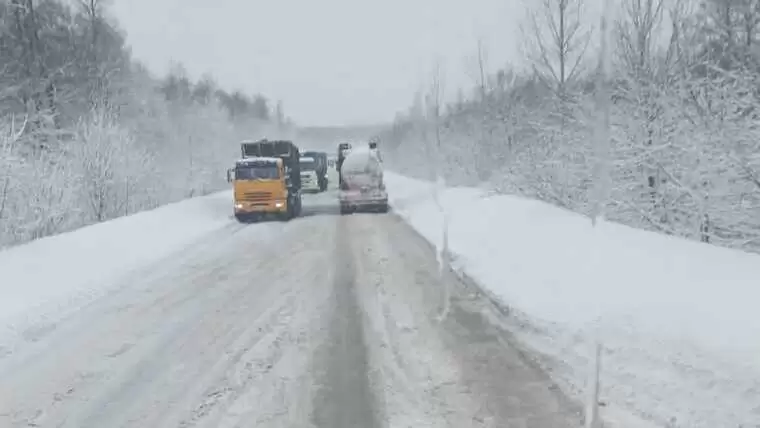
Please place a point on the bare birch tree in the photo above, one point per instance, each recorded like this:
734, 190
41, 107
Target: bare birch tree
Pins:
477, 68
559, 41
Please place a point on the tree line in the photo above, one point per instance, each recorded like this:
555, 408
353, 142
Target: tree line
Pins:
682, 98
88, 134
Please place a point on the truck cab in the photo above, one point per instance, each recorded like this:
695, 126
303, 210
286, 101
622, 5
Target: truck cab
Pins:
310, 180
266, 181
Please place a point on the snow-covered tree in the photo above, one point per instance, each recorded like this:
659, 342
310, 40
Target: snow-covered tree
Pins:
102, 136
683, 121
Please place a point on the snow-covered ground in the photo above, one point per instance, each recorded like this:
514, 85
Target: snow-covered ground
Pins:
678, 320
46, 279
181, 317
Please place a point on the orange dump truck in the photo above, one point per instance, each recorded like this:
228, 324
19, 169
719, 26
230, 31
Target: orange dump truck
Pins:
266, 180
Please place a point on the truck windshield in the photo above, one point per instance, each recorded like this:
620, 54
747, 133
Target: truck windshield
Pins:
257, 173
309, 165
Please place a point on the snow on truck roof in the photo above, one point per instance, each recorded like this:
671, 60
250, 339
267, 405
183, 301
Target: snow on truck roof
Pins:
262, 159
360, 159
307, 159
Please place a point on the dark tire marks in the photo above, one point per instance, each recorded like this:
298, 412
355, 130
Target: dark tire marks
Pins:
495, 371
344, 396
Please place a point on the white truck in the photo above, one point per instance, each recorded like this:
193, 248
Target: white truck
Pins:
310, 180
362, 187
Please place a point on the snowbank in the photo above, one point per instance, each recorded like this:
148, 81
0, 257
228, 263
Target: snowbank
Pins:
678, 319
50, 276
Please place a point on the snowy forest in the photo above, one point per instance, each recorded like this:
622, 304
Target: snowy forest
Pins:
683, 85
87, 134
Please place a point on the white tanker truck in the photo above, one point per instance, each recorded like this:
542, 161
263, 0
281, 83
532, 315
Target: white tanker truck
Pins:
362, 187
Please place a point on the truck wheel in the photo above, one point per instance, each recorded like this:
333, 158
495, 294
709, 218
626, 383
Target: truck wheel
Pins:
290, 213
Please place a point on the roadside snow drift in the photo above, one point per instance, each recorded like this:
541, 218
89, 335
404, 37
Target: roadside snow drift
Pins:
678, 320
45, 278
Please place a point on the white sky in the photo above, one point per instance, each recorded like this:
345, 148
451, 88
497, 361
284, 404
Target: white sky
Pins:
332, 62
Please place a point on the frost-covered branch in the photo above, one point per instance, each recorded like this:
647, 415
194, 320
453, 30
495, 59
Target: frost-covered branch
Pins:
683, 126
87, 135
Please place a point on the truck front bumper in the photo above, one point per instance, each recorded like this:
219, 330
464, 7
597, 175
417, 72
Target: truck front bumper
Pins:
265, 207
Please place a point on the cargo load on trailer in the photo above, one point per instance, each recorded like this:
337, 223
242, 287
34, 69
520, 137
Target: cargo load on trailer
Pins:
266, 180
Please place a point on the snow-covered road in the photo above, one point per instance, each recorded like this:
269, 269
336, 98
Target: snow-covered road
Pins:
324, 321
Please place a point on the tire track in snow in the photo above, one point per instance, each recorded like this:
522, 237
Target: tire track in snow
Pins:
227, 338
344, 398
463, 371
269, 383
513, 391
187, 313
256, 352
419, 382
137, 366
30, 339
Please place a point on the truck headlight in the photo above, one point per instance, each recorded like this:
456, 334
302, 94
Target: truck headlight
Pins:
238, 206
278, 204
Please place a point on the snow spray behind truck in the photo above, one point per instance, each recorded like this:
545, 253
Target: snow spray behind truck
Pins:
267, 180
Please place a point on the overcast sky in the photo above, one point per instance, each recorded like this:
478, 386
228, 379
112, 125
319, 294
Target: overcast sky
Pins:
331, 62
